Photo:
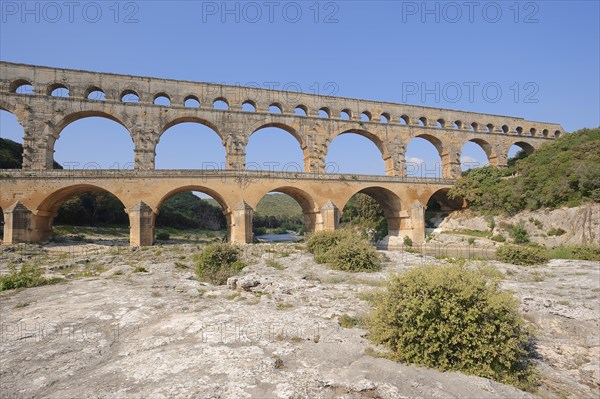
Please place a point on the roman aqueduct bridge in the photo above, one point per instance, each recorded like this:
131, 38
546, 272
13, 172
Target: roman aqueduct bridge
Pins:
31, 197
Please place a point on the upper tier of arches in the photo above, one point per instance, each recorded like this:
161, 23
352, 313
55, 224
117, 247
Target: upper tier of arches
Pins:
33, 80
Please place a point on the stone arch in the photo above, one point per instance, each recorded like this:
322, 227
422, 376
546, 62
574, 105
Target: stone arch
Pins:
525, 146
449, 156
192, 119
193, 187
59, 124
190, 143
446, 203
57, 85
304, 199
129, 92
388, 160
223, 203
92, 89
390, 203
291, 166
299, 137
15, 84
488, 149
53, 201
438, 206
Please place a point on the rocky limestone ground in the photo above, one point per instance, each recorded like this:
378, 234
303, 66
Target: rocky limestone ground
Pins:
113, 330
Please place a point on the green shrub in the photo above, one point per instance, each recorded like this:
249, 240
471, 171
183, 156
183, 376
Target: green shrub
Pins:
518, 255
217, 262
344, 250
407, 241
25, 277
452, 318
519, 234
321, 241
163, 236
471, 241
579, 252
556, 232
139, 269
353, 255
498, 238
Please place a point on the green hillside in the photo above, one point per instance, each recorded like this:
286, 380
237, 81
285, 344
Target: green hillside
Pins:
565, 171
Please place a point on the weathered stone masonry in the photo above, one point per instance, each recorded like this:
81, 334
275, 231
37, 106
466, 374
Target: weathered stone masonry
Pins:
390, 126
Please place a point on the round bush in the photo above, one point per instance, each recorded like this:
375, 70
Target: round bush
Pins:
217, 262
353, 255
322, 241
452, 318
518, 255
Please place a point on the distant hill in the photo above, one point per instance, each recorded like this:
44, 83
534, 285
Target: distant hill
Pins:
565, 171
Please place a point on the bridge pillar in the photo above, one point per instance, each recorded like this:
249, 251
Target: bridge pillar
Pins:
451, 164
417, 221
38, 152
240, 231
21, 225
330, 216
141, 225
235, 151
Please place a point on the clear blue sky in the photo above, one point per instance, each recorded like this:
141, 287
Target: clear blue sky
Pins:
364, 49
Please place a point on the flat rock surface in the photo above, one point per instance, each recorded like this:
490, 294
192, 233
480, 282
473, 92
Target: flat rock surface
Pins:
110, 332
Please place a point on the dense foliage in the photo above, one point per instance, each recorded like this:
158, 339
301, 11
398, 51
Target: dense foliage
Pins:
92, 209
565, 171
452, 318
344, 250
187, 211
365, 213
217, 262
521, 255
278, 211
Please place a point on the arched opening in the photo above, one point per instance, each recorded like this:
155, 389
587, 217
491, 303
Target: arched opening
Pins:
189, 215
532, 131
440, 123
384, 118
288, 156
519, 150
95, 93
324, 113
21, 86
438, 208
404, 120
490, 128
374, 211
162, 99
284, 214
220, 104
249, 106
505, 129
422, 121
11, 141
86, 213
301, 110
423, 157
94, 142
545, 133
355, 152
346, 114
474, 126
191, 102
190, 144
519, 130
457, 125
365, 116
130, 96
557, 133
475, 154
58, 90
275, 109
